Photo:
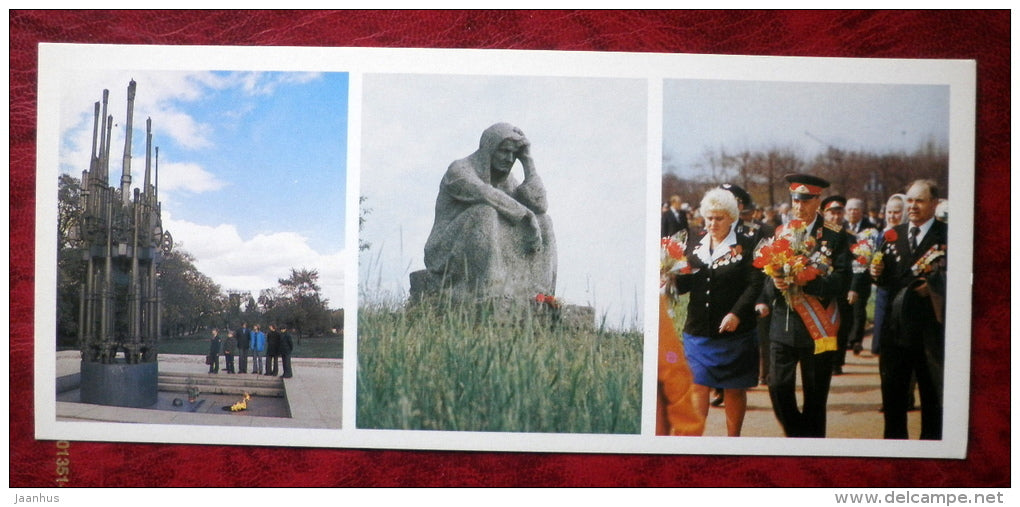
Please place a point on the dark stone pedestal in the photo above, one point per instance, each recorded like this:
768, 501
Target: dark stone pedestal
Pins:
120, 384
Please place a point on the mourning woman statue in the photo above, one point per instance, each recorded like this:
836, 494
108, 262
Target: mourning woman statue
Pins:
491, 239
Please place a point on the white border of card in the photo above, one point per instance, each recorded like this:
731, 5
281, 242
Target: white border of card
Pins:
958, 75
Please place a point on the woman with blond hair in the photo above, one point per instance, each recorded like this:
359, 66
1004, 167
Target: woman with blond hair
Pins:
719, 335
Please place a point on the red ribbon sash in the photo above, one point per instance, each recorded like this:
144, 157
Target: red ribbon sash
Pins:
822, 323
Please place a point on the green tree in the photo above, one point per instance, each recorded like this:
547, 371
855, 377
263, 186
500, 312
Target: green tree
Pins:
70, 268
300, 305
191, 300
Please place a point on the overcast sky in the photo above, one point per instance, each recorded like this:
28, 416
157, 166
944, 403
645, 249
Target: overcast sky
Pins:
706, 115
252, 166
589, 142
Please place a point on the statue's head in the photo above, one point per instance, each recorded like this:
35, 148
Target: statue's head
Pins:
501, 141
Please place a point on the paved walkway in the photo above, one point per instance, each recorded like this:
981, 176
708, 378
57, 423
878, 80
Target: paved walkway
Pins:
314, 396
853, 409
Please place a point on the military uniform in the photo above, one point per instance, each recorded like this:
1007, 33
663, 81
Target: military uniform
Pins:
792, 343
838, 203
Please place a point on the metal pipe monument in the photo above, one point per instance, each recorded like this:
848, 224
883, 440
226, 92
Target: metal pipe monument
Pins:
122, 243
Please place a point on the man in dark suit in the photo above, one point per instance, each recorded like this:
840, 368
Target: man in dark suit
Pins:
674, 219
855, 219
834, 210
858, 225
804, 334
273, 339
243, 337
286, 348
913, 270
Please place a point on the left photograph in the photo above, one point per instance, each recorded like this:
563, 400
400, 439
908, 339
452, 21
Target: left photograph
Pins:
200, 248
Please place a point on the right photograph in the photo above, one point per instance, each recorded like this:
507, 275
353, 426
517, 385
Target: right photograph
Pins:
804, 244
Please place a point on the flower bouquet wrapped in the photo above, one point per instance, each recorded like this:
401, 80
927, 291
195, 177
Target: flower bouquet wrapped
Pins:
791, 256
864, 250
672, 261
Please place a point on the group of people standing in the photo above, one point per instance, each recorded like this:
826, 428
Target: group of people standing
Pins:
266, 350
744, 328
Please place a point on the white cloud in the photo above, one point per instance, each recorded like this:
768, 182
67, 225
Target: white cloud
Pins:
184, 129
189, 177
256, 263
156, 91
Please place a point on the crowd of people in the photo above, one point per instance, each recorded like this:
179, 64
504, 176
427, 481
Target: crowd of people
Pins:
267, 351
745, 328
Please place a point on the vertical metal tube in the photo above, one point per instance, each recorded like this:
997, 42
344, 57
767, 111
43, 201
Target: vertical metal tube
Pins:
125, 178
103, 146
82, 342
106, 307
148, 157
134, 303
106, 148
89, 322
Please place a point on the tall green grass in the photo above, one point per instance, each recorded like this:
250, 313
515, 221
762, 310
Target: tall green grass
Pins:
455, 370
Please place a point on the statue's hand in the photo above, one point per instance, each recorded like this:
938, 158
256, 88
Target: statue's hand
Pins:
534, 234
524, 151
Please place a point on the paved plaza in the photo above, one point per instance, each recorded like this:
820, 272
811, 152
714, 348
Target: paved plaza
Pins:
855, 398
313, 396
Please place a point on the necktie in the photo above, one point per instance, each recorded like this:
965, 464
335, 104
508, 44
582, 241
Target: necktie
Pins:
914, 231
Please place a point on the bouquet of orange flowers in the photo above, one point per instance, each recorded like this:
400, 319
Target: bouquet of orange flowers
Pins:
672, 260
791, 256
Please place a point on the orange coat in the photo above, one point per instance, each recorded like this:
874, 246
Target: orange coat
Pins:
675, 413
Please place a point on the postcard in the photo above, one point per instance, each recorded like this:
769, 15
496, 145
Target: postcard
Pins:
497, 250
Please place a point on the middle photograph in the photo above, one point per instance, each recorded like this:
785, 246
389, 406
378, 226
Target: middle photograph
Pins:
501, 253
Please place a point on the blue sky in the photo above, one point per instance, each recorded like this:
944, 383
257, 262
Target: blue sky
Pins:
252, 166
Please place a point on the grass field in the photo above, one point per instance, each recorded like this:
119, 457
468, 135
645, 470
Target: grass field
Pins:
329, 347
433, 370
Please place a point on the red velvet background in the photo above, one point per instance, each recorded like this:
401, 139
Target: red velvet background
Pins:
980, 35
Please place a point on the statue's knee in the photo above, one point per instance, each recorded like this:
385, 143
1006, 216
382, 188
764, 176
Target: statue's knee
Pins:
481, 216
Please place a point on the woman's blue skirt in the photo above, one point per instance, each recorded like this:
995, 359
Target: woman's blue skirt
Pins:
727, 362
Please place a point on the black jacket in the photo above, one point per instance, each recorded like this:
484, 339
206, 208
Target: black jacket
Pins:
731, 284
273, 343
912, 320
286, 344
671, 224
243, 338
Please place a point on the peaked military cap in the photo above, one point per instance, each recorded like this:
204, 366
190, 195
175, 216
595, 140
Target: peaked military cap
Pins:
833, 202
742, 196
805, 186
